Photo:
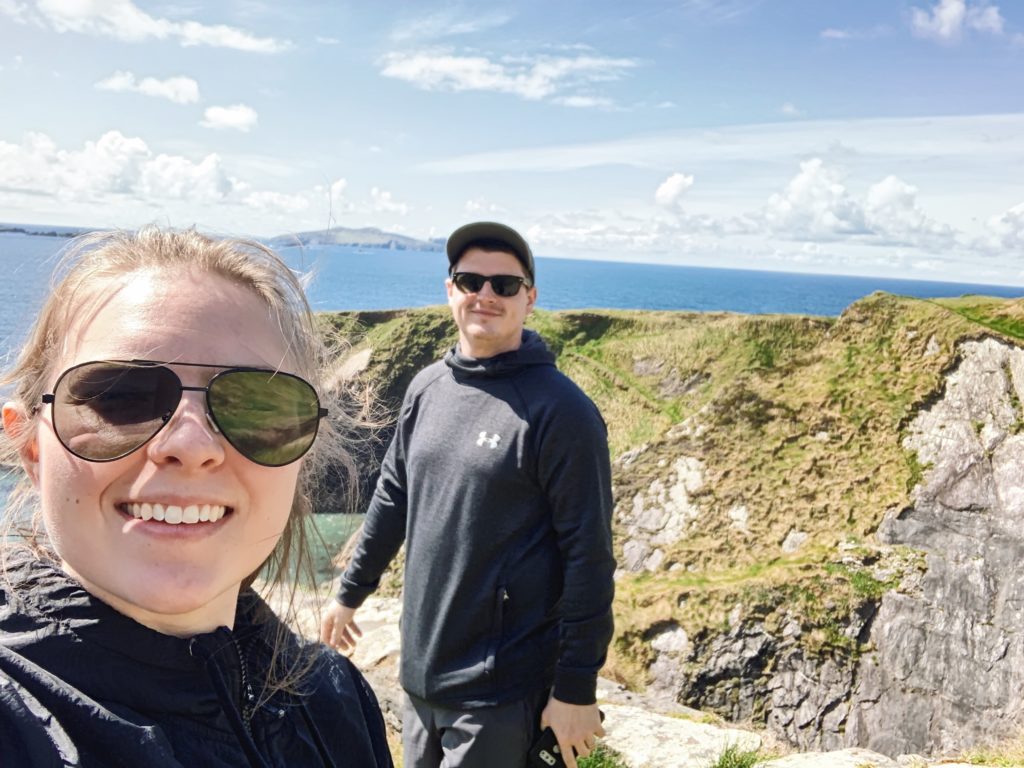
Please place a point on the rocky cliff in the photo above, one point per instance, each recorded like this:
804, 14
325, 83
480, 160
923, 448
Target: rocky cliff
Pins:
816, 519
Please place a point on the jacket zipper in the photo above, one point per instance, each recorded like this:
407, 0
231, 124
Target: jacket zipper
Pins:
248, 697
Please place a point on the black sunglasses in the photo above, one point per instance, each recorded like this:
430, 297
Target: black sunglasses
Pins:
505, 286
105, 410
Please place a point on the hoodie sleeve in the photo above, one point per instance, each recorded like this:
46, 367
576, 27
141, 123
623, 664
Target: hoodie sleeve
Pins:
384, 526
574, 469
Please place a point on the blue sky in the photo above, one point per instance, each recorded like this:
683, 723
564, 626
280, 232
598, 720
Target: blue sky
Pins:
872, 137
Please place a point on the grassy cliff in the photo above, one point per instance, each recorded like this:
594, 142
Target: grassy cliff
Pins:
795, 422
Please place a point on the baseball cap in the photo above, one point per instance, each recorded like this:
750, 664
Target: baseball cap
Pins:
490, 230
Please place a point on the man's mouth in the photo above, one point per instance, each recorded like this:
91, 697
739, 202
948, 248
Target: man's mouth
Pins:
173, 514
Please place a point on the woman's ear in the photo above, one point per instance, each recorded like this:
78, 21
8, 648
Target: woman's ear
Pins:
15, 422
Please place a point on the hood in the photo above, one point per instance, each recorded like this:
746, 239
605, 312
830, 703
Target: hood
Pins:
532, 351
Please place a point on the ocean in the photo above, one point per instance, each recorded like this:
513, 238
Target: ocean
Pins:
353, 278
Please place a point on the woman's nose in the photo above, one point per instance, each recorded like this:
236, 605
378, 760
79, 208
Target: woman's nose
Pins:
190, 439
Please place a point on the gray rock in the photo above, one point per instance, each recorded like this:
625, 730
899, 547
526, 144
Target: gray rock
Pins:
945, 664
948, 664
661, 515
847, 758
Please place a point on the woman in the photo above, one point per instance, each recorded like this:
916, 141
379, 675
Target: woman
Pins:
164, 418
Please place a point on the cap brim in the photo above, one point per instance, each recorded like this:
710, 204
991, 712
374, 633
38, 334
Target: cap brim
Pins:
489, 230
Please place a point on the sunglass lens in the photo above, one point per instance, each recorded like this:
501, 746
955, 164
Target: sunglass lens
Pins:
270, 418
103, 411
469, 282
505, 285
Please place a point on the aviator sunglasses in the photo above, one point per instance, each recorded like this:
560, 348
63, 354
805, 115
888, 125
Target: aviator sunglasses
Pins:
105, 410
505, 286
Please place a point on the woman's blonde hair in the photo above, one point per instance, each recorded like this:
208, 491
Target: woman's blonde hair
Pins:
88, 270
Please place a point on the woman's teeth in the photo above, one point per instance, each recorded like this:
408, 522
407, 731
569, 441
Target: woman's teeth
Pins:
175, 515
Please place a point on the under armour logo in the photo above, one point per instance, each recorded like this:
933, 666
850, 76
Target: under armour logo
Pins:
491, 441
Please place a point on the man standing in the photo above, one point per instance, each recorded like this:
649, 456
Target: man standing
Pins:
498, 481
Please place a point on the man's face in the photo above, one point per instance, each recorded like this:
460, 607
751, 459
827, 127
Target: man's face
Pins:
489, 324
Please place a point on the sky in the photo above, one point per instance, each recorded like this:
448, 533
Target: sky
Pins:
877, 137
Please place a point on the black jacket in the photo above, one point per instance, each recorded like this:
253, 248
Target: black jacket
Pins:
498, 481
83, 685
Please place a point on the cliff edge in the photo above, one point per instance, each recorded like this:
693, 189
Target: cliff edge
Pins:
817, 520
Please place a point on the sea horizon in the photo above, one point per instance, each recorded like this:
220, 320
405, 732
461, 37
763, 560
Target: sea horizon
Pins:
359, 278
279, 242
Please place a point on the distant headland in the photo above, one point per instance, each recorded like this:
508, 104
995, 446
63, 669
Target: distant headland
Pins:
364, 237
43, 230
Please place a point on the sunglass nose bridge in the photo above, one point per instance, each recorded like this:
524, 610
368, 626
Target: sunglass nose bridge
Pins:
212, 423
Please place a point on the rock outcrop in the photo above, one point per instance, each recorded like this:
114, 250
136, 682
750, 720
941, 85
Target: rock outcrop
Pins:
644, 730
948, 663
937, 663
817, 520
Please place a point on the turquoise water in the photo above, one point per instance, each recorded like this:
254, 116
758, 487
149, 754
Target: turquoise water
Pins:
335, 530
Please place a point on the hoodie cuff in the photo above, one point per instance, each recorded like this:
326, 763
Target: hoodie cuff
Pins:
353, 595
574, 687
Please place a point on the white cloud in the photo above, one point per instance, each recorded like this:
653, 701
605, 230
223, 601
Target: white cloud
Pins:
1008, 230
947, 20
237, 117
814, 205
15, 10
940, 153
321, 40
594, 232
114, 164
446, 23
123, 20
670, 192
276, 202
892, 214
338, 202
481, 205
176, 177
585, 102
832, 33
180, 90
534, 78
16, 62
789, 109
717, 11
382, 202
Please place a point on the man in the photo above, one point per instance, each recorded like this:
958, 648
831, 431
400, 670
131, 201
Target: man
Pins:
498, 481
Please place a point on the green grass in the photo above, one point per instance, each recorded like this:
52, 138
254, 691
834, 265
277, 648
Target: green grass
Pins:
1002, 315
1009, 754
734, 757
799, 420
602, 757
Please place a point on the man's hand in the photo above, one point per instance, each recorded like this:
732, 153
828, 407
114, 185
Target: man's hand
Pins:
576, 727
338, 629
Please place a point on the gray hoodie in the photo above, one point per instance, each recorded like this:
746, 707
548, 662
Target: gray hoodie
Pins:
498, 481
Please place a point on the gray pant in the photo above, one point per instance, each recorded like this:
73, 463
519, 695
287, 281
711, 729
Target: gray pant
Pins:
489, 737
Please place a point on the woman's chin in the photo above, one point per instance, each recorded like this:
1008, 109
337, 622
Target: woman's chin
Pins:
178, 601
